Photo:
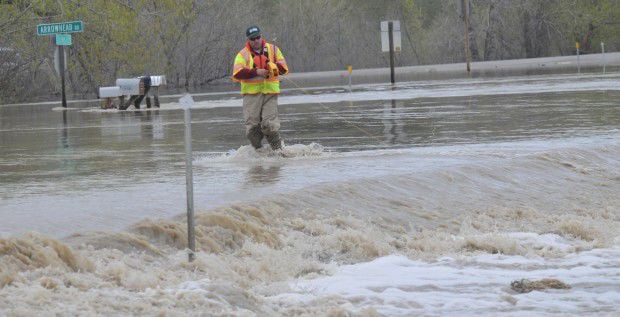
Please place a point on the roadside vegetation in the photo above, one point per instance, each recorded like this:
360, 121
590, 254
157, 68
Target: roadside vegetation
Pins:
193, 42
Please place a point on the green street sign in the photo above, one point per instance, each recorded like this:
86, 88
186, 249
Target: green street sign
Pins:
57, 28
63, 39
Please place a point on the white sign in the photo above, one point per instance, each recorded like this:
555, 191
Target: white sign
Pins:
385, 37
186, 101
57, 60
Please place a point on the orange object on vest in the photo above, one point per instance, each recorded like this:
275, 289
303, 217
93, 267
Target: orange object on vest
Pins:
260, 61
273, 70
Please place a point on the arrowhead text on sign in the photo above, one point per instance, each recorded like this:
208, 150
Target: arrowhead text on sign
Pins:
56, 28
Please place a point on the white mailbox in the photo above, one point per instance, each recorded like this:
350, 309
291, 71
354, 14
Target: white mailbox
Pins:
157, 81
138, 89
107, 92
129, 86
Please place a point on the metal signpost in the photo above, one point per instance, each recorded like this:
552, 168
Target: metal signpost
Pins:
390, 42
63, 39
187, 102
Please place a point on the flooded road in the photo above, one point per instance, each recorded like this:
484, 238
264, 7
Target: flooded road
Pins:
106, 169
496, 179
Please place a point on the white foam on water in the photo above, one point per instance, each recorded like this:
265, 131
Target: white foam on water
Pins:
247, 153
65, 109
395, 285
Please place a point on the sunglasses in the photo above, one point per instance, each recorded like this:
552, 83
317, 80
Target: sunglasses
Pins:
255, 38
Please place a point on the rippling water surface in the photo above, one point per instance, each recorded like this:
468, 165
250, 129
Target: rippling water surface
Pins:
462, 186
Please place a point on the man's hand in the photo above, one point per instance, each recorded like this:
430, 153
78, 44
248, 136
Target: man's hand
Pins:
261, 72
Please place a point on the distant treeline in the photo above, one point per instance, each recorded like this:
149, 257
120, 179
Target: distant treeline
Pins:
193, 42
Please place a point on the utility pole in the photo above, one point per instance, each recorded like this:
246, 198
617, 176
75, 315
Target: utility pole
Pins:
465, 12
391, 39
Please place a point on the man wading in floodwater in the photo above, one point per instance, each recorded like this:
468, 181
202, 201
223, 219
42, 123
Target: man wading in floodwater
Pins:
257, 66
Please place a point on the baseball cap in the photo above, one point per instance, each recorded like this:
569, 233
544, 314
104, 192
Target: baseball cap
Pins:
252, 31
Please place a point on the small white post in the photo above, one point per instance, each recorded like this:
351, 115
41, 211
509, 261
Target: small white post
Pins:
578, 61
350, 70
186, 102
604, 59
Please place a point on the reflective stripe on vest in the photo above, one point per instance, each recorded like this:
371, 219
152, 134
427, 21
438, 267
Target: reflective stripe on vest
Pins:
243, 62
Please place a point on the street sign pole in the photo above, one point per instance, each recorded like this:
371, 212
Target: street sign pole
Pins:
61, 62
187, 102
62, 39
390, 42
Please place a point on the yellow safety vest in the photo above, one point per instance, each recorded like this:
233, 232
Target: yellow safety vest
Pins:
259, 85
